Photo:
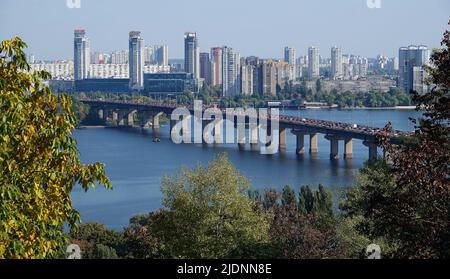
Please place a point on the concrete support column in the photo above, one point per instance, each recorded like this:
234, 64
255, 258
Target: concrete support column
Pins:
106, 114
100, 113
334, 148
130, 118
373, 150
313, 144
254, 138
218, 137
156, 122
241, 135
205, 133
115, 116
348, 152
300, 142
121, 117
283, 138
172, 126
144, 118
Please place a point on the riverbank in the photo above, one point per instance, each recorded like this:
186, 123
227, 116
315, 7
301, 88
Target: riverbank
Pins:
85, 127
381, 108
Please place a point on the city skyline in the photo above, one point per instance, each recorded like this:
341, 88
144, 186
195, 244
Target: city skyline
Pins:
334, 29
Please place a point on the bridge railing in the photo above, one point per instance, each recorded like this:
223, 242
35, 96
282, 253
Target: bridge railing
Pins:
284, 119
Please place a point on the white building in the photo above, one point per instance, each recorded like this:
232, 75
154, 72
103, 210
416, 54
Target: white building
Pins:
81, 54
191, 54
290, 58
136, 60
336, 63
313, 62
247, 80
59, 70
119, 57
231, 72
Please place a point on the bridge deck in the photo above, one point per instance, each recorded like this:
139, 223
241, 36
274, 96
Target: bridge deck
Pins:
339, 129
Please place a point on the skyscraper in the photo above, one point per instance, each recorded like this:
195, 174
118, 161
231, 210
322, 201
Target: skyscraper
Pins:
290, 58
205, 67
161, 55
231, 81
313, 62
191, 54
411, 75
149, 54
246, 79
216, 68
136, 60
81, 55
336, 63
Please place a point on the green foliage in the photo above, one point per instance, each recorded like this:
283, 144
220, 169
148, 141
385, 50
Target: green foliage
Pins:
39, 163
288, 197
139, 240
208, 214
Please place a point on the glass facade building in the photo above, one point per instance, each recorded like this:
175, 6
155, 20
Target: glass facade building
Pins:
169, 83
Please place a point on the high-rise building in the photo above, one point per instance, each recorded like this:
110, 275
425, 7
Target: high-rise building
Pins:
255, 63
161, 53
246, 79
313, 62
231, 80
149, 54
411, 61
136, 60
273, 76
336, 63
216, 67
290, 58
205, 67
191, 54
81, 56
120, 57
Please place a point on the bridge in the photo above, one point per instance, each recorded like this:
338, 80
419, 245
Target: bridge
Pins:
123, 113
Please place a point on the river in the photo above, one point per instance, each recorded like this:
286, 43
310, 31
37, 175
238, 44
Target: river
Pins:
136, 165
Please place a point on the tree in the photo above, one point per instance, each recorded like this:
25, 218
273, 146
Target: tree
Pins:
39, 164
208, 213
96, 241
305, 232
139, 240
318, 86
406, 201
288, 197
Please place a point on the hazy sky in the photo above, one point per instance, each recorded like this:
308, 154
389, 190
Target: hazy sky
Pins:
253, 27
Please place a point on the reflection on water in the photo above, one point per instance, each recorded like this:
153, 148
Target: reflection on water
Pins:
135, 164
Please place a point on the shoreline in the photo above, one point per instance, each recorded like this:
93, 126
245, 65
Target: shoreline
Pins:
85, 127
382, 108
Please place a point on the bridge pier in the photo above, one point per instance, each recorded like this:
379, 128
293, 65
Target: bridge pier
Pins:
156, 122
107, 114
313, 144
145, 120
115, 116
254, 138
282, 138
130, 118
205, 133
334, 146
300, 136
373, 149
348, 150
100, 113
241, 131
218, 137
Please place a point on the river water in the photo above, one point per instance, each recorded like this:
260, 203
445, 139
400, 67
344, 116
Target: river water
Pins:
136, 165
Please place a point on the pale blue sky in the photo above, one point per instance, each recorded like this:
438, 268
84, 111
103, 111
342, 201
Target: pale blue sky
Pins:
253, 27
